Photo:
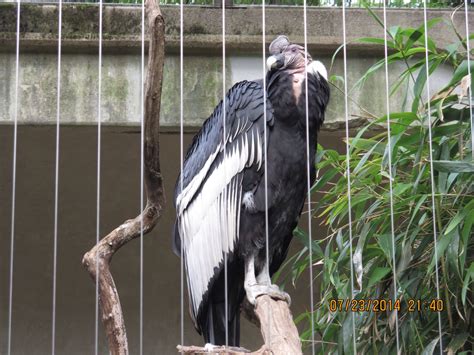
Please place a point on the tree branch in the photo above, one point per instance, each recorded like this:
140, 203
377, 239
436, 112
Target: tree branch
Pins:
276, 324
97, 260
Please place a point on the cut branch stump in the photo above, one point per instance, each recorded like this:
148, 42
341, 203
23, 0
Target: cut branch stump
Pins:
276, 324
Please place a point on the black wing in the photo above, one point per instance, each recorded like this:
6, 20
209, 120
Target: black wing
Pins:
208, 204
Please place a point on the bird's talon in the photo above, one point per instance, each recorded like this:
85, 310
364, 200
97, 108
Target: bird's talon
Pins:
280, 295
255, 291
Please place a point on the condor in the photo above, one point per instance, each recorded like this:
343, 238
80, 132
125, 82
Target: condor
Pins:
220, 197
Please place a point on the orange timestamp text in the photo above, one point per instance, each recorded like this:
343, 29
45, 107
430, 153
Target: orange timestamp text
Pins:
383, 305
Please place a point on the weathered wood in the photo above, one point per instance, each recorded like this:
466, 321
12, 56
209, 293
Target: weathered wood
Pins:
276, 325
222, 350
97, 260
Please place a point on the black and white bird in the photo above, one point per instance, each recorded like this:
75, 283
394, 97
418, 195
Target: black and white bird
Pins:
220, 202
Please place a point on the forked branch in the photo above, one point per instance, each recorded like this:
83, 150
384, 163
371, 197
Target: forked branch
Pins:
97, 260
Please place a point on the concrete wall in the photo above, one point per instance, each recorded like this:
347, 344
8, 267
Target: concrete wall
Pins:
202, 63
121, 88
33, 258
203, 27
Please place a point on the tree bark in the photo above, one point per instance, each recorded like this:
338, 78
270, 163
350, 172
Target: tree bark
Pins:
97, 260
276, 325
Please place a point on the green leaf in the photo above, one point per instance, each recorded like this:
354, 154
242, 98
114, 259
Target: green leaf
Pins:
418, 34
394, 32
385, 243
333, 156
457, 342
400, 121
452, 48
466, 232
374, 15
418, 205
393, 144
336, 78
448, 128
453, 166
346, 334
304, 239
364, 158
430, 348
323, 180
378, 274
418, 88
405, 259
461, 72
367, 144
421, 81
415, 35
373, 40
400, 188
467, 280
442, 243
390, 59
357, 257
411, 52
336, 52
454, 222
453, 253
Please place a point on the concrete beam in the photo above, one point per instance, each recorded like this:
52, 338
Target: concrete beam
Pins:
203, 28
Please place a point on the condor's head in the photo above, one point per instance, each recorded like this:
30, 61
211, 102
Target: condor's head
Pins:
285, 78
290, 57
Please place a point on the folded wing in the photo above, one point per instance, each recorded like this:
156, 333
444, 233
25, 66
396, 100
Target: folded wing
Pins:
209, 202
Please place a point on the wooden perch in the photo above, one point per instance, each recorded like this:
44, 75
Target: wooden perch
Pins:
278, 330
97, 260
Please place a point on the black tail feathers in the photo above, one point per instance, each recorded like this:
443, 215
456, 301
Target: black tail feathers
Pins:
215, 330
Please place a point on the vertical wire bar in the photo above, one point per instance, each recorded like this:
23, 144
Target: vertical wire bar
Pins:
348, 167
99, 145
142, 143
226, 300
430, 142
181, 144
15, 135
56, 183
390, 174
469, 74
308, 178
265, 162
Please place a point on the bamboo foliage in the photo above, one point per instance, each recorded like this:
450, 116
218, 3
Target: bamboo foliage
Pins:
413, 213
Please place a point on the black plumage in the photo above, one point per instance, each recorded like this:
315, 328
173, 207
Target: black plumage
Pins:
221, 203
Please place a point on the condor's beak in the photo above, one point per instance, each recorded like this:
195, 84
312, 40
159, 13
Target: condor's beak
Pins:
275, 61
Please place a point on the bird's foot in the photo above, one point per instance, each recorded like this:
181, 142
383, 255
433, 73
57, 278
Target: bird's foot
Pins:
254, 291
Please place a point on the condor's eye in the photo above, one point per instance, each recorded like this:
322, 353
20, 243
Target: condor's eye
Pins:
294, 49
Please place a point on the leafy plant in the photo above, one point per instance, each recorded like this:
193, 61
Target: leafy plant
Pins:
414, 215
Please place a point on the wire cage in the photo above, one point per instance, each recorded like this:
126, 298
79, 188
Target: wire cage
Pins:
73, 136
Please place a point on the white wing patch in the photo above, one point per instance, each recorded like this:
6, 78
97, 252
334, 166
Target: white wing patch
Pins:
209, 210
316, 67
